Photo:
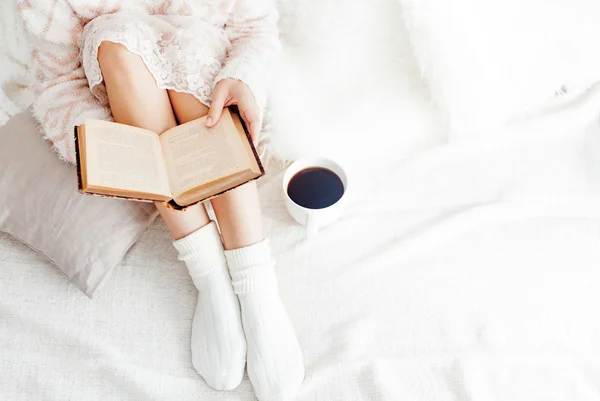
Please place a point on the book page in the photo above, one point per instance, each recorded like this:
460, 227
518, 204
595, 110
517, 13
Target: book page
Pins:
196, 155
124, 157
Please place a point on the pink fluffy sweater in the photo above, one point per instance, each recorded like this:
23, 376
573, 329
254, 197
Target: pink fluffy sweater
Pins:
62, 96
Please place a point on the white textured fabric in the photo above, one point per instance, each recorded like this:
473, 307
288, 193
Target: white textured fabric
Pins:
218, 343
275, 362
469, 271
252, 268
350, 67
390, 303
490, 62
14, 58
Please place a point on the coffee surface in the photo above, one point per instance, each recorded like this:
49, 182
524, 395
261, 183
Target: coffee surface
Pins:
315, 188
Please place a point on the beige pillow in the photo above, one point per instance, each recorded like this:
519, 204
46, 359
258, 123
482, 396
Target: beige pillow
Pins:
85, 236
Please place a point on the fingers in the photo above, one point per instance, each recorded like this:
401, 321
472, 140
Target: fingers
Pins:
252, 117
216, 108
228, 92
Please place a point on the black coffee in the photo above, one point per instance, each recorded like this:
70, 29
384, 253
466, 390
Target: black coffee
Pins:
315, 188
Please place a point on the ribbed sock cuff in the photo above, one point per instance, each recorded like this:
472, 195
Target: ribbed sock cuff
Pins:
252, 268
201, 250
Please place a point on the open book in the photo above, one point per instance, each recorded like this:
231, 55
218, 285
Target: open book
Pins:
186, 164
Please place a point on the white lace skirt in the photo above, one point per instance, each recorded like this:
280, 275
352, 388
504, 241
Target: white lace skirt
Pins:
183, 53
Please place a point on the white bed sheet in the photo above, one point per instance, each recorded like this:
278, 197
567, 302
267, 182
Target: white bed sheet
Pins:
388, 304
468, 271
465, 272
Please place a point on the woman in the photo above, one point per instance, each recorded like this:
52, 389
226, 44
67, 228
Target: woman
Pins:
154, 64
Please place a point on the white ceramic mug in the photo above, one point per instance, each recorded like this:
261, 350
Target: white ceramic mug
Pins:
314, 219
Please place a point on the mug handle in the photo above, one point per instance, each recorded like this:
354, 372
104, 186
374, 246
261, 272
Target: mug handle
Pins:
312, 227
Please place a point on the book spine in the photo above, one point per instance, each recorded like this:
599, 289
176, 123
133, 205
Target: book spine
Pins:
174, 206
78, 160
234, 109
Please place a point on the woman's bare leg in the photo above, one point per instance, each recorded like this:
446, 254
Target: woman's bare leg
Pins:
136, 100
183, 223
217, 339
238, 211
239, 215
275, 363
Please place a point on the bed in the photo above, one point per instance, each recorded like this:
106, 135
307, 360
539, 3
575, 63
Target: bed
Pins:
459, 271
466, 299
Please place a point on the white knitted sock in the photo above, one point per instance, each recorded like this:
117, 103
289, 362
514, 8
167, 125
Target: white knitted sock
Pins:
275, 363
218, 343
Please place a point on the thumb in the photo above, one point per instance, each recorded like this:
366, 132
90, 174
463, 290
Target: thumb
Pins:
254, 129
216, 107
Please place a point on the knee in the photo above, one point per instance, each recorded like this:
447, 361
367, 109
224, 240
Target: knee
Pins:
115, 57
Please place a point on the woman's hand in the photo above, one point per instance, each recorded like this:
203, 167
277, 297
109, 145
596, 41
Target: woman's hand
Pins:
232, 91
